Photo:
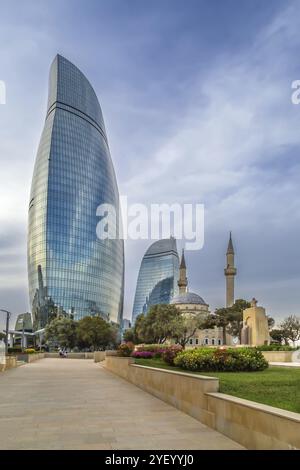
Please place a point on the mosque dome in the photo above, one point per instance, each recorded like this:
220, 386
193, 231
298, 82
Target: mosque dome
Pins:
188, 298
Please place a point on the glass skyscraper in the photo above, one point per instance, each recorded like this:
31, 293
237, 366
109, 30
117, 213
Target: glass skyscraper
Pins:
69, 268
158, 276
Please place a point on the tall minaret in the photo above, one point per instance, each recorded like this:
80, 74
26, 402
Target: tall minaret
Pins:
182, 283
230, 272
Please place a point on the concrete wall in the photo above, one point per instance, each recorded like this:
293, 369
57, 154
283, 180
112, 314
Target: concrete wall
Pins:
99, 356
10, 362
254, 425
30, 357
278, 356
251, 424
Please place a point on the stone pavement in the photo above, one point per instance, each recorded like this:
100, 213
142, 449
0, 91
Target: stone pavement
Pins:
285, 364
76, 404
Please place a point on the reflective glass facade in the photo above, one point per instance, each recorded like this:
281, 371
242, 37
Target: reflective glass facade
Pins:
73, 175
158, 276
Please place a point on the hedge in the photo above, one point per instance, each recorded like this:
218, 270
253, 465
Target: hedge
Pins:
228, 360
275, 347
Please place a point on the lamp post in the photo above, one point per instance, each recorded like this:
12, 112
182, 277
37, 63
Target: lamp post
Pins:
23, 333
8, 315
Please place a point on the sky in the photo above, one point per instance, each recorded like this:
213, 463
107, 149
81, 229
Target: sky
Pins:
196, 98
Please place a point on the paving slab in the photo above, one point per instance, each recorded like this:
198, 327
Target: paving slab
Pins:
285, 364
76, 404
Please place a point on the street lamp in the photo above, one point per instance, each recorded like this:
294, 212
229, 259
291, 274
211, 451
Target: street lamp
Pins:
23, 333
8, 315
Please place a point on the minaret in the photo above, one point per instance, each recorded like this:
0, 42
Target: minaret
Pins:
230, 272
182, 283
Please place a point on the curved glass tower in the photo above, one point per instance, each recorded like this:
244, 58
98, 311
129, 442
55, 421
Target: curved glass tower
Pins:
158, 276
69, 268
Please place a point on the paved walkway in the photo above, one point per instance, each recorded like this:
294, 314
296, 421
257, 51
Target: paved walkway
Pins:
76, 404
285, 364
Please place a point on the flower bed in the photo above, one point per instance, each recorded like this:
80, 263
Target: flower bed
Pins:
228, 360
143, 354
125, 349
156, 350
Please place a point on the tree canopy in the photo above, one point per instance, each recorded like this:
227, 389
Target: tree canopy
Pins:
158, 325
62, 331
91, 332
290, 328
96, 333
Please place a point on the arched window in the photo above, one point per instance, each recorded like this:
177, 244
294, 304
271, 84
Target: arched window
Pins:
196, 341
191, 341
213, 341
206, 341
219, 342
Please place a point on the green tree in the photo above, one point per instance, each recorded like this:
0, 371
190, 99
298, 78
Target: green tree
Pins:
230, 319
186, 327
159, 324
291, 328
130, 336
62, 331
277, 335
2, 336
95, 333
139, 330
271, 322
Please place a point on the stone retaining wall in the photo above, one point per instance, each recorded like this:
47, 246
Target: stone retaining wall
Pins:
10, 363
251, 424
30, 357
99, 356
278, 356
254, 425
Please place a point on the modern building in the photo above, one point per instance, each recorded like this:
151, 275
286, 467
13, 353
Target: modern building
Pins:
69, 267
126, 324
24, 322
158, 276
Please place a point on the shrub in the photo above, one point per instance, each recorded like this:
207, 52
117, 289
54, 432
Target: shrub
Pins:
231, 359
156, 349
29, 351
275, 347
15, 349
125, 349
143, 354
170, 353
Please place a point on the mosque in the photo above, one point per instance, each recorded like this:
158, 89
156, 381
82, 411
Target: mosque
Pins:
190, 303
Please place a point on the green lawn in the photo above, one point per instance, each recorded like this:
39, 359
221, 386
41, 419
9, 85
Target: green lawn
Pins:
276, 386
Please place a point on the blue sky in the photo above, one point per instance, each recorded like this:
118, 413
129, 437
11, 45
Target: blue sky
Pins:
196, 101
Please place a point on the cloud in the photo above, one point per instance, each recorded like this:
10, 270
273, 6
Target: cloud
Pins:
197, 109
236, 150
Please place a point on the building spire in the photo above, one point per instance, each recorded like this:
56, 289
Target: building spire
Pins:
183, 282
230, 249
182, 263
230, 272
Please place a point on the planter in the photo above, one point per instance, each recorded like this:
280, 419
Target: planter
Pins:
278, 356
30, 357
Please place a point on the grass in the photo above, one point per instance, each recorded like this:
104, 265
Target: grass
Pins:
275, 386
